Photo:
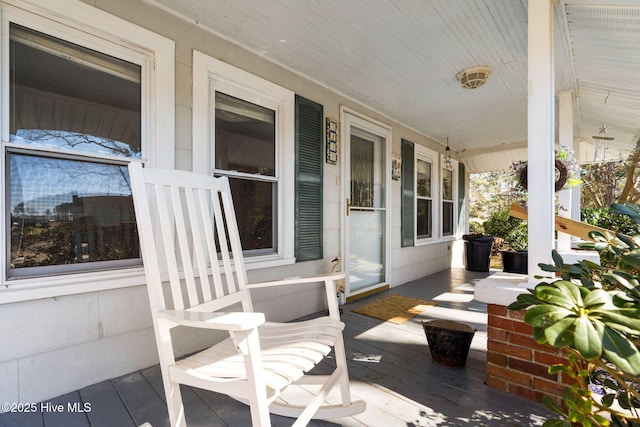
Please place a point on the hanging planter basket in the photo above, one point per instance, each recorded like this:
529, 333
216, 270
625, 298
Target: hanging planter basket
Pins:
561, 168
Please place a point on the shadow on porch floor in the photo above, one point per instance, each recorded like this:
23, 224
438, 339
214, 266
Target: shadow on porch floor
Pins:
390, 368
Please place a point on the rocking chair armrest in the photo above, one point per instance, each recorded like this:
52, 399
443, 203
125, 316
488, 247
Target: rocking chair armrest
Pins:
331, 277
235, 321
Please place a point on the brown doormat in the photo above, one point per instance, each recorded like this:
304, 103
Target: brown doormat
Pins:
395, 308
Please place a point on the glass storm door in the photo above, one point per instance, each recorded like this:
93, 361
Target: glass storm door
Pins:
366, 207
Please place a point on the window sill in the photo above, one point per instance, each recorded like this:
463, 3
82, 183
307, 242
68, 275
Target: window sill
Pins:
267, 261
50, 287
20, 290
434, 241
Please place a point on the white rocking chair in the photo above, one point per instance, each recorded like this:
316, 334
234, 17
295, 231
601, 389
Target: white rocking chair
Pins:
194, 229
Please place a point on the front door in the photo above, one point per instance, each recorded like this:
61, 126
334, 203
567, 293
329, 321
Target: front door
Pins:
366, 194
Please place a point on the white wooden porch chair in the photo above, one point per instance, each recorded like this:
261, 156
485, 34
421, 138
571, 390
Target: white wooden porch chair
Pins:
203, 285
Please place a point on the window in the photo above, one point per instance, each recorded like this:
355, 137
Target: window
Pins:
67, 212
449, 185
243, 128
424, 198
419, 194
245, 152
78, 113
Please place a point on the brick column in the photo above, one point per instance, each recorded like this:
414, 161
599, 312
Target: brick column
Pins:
515, 362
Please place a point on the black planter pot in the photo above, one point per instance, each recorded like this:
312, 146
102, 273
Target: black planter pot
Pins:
477, 252
449, 342
515, 262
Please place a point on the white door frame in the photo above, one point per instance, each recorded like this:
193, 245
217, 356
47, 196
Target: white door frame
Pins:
348, 119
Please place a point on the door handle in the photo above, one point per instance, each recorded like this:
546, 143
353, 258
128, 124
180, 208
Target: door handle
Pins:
348, 206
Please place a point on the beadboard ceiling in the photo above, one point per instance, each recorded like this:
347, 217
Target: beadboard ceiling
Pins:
401, 57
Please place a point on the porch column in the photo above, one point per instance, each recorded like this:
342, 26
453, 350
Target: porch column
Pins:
541, 133
566, 198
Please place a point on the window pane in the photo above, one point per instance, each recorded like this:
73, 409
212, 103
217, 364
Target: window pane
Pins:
362, 172
69, 212
447, 218
69, 97
423, 178
447, 184
245, 136
424, 218
255, 212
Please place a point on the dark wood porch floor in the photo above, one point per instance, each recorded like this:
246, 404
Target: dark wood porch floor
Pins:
390, 368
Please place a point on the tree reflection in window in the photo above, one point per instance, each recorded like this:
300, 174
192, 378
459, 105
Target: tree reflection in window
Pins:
75, 141
63, 213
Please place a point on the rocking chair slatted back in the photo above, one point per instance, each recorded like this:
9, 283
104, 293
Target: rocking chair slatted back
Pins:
191, 215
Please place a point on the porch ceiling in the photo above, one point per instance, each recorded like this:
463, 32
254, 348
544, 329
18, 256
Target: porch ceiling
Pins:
401, 58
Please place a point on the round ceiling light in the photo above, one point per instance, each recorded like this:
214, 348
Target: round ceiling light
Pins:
474, 77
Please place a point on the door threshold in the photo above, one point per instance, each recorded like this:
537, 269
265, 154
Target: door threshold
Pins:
365, 294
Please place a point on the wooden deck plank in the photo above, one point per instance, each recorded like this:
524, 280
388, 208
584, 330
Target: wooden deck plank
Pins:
141, 400
398, 360
197, 412
201, 406
22, 419
415, 372
107, 409
398, 346
66, 410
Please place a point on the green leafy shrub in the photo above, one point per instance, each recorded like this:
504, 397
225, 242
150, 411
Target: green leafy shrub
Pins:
610, 219
593, 313
476, 227
510, 232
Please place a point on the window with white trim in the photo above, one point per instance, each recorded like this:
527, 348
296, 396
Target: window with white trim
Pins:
243, 129
245, 152
425, 194
77, 112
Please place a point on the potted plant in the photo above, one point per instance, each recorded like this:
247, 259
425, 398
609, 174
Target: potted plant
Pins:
592, 313
567, 170
511, 240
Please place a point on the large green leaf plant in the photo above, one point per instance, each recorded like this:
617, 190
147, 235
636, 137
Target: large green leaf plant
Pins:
592, 313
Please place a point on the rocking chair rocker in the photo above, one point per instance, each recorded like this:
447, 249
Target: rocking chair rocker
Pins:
202, 284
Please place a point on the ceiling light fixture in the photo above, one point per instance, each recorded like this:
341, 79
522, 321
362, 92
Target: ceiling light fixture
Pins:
474, 77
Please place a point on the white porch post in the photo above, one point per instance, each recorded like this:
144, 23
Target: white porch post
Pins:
541, 133
567, 197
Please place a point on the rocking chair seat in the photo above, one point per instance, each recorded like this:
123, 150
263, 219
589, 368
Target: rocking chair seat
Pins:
288, 351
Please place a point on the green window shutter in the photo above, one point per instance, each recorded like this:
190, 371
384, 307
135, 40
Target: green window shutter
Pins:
308, 185
461, 192
408, 193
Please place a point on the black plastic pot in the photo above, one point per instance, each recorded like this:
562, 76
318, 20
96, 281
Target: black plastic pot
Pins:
515, 261
449, 342
477, 250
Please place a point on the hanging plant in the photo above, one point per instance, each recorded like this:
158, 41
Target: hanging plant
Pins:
567, 171
562, 174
